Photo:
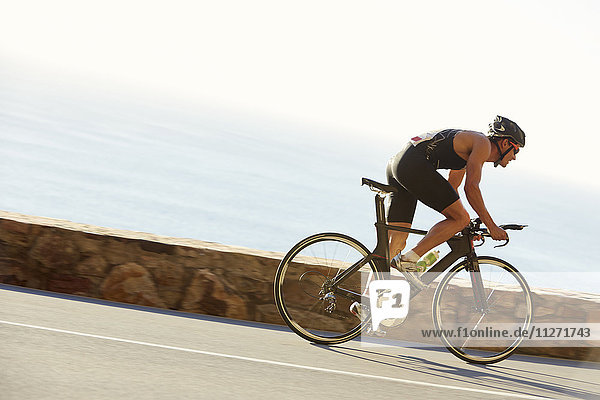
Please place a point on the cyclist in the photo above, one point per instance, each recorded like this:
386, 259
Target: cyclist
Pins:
413, 171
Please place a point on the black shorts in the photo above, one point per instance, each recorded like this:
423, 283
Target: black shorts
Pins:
416, 179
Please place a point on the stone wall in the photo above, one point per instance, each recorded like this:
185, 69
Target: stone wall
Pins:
139, 268
195, 276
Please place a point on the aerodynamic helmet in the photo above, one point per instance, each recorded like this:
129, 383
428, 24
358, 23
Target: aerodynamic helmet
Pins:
505, 128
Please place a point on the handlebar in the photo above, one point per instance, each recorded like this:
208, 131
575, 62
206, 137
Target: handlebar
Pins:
476, 230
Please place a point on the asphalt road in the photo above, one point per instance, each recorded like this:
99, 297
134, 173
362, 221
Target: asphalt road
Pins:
66, 348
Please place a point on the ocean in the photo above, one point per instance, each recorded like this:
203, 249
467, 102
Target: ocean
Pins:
166, 166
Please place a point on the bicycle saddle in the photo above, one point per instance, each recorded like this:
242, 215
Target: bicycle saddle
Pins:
378, 187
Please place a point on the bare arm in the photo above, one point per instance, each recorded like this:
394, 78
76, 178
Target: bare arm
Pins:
479, 154
455, 178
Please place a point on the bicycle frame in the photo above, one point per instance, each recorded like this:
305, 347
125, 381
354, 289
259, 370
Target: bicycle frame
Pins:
461, 245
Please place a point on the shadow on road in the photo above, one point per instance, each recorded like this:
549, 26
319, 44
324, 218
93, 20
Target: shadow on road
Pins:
510, 379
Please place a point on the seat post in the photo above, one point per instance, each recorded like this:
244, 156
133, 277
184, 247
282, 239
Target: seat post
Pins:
382, 248
380, 209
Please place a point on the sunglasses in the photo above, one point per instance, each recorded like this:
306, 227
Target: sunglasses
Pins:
515, 147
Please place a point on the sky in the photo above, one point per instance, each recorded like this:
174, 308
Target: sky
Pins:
378, 70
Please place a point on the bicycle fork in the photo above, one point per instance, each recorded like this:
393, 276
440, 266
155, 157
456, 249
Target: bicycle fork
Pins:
479, 295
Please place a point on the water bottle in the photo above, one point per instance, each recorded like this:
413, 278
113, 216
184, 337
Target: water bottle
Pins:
428, 260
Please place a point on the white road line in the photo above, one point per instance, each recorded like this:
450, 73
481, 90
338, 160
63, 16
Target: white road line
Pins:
279, 363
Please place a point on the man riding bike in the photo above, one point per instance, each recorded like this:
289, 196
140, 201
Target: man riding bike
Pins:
413, 172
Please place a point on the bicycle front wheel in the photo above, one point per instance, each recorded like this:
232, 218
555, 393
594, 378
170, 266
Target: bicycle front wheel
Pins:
307, 297
478, 311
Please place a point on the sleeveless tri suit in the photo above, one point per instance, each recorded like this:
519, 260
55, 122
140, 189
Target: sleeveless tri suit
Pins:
413, 171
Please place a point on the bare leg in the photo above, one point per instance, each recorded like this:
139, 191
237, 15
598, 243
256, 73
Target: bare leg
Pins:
397, 239
456, 219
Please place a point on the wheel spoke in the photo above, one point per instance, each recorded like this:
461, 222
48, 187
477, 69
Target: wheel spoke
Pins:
455, 305
311, 266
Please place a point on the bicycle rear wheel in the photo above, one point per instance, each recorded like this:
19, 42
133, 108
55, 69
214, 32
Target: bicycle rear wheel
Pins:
308, 301
482, 332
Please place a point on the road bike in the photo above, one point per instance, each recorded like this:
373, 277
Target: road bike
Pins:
323, 276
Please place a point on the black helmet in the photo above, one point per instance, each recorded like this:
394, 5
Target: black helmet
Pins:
505, 128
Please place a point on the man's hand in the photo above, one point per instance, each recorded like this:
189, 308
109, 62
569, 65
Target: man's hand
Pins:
497, 233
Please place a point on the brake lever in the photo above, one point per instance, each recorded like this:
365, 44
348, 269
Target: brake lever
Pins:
505, 243
482, 242
485, 232
514, 227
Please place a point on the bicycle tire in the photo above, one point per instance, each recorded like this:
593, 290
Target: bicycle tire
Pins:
454, 307
301, 276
